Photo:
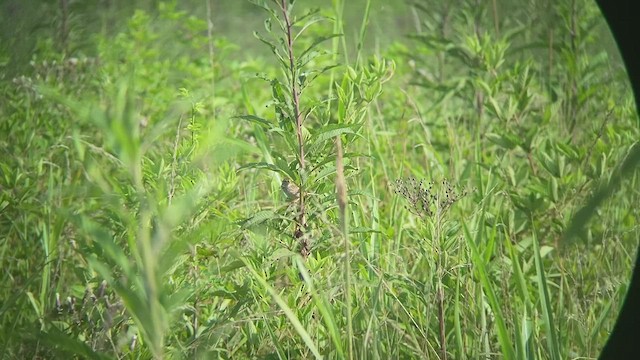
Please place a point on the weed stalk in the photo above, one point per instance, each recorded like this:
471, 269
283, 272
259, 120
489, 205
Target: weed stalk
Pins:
341, 196
431, 205
295, 95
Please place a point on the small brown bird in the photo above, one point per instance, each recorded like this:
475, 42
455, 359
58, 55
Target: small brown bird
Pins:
290, 189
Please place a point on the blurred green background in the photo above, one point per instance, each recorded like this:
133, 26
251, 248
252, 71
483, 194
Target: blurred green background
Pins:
25, 22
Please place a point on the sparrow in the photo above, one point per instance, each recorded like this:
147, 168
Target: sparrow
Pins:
290, 189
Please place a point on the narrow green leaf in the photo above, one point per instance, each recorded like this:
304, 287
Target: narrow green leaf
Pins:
329, 133
478, 262
582, 217
256, 120
302, 332
545, 303
503, 141
258, 218
323, 307
316, 42
73, 347
260, 165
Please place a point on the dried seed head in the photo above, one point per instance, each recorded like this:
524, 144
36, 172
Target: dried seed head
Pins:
417, 195
423, 200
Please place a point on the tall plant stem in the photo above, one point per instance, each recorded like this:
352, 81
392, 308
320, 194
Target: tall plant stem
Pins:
341, 196
295, 95
440, 288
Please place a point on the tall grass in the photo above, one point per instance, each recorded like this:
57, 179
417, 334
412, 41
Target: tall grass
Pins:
465, 192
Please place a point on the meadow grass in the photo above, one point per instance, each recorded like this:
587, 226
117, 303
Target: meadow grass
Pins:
468, 181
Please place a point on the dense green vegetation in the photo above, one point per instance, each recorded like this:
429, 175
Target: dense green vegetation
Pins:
447, 153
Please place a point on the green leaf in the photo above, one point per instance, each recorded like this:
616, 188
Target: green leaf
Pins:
627, 168
258, 218
73, 347
260, 165
316, 42
108, 249
479, 266
323, 307
306, 15
256, 120
329, 132
545, 303
553, 189
549, 164
219, 271
273, 47
507, 141
288, 312
281, 253
263, 5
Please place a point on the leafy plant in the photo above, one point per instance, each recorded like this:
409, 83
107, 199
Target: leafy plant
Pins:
145, 147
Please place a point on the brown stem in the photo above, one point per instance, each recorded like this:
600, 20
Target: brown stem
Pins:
299, 233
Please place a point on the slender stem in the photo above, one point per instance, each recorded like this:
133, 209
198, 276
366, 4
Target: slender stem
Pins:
298, 119
341, 196
174, 163
440, 274
443, 334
